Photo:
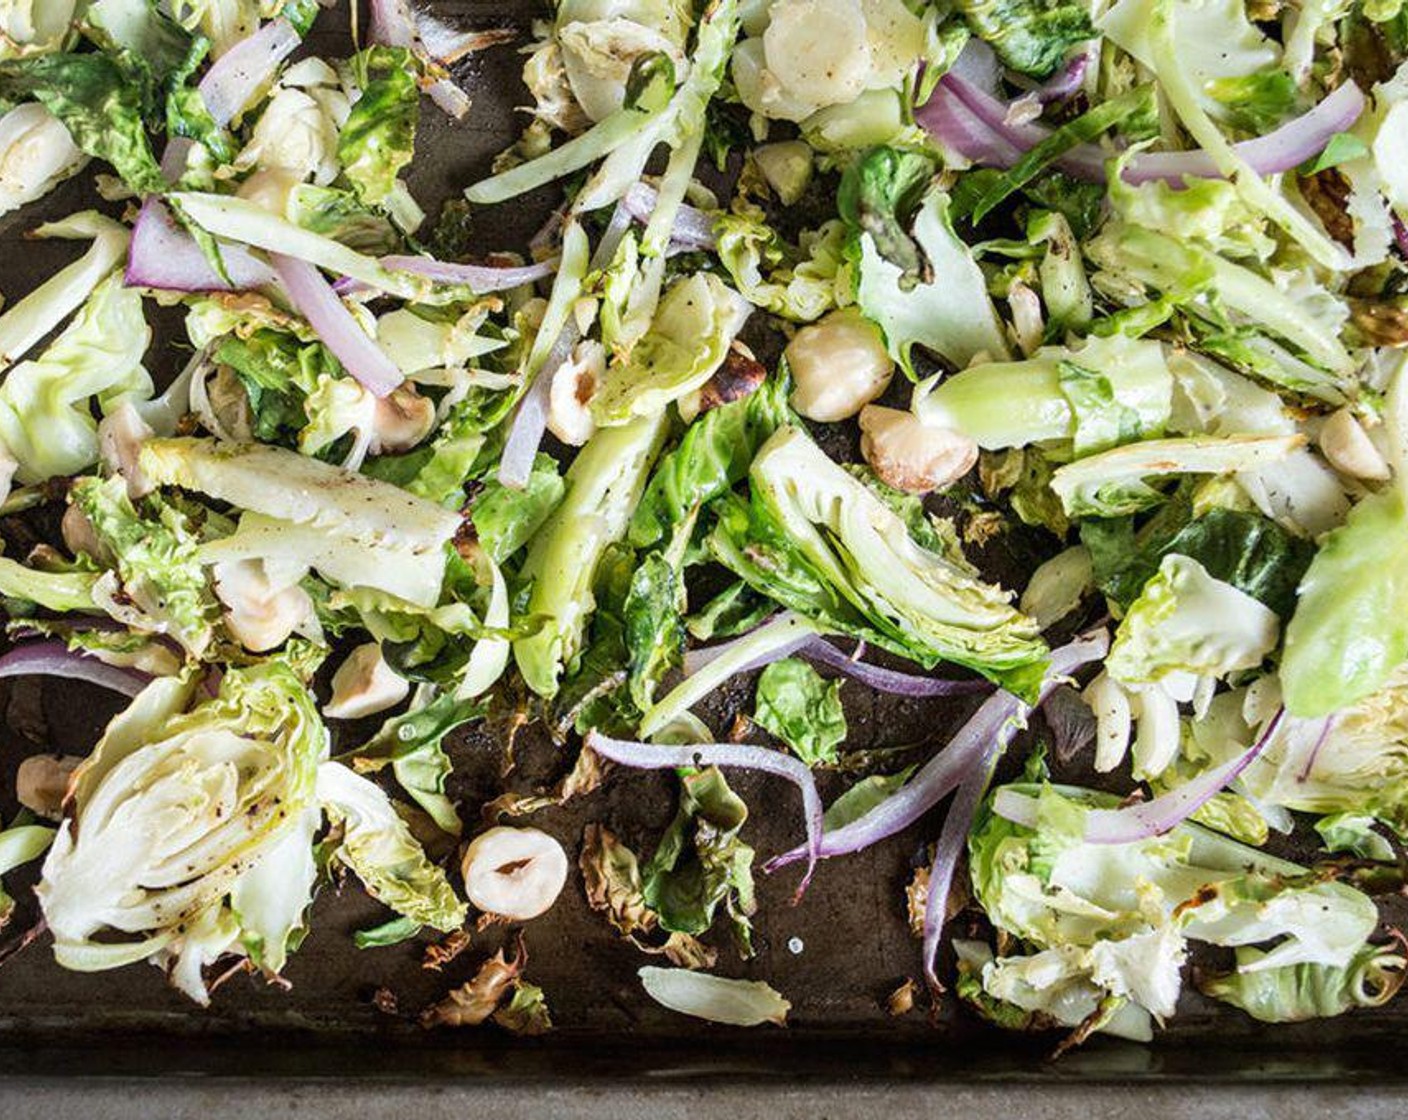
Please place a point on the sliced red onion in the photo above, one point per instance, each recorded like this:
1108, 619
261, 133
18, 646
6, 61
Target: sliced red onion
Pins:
1085, 161
650, 756
479, 278
1066, 82
958, 821
163, 255
548, 233
1400, 234
239, 73
1061, 86
956, 127
816, 648
393, 24
1314, 753
313, 298
1281, 150
693, 228
55, 659
1145, 819
175, 156
978, 65
450, 99
447, 43
530, 419
887, 680
998, 719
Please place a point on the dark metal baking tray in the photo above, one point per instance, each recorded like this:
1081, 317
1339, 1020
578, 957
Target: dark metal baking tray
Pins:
854, 949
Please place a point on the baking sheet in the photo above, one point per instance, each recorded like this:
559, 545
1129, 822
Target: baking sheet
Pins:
836, 957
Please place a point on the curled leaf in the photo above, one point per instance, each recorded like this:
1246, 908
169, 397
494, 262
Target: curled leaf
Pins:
611, 877
472, 1003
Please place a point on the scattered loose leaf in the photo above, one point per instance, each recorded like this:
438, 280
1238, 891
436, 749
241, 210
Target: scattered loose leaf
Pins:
526, 1012
901, 1001
737, 1003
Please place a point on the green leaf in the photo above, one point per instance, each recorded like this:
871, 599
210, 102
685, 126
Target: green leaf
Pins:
47, 403
604, 483
63, 592
1354, 832
1185, 620
378, 139
654, 629
394, 932
818, 540
1308, 991
342, 216
797, 705
1256, 102
1082, 204
463, 448
862, 797
798, 282
187, 114
713, 455
278, 373
1101, 394
1121, 479
700, 862
157, 557
596, 694
413, 744
1102, 419
1342, 147
102, 100
687, 341
19, 844
378, 847
734, 610
1048, 887
1348, 633
879, 195
949, 313
140, 28
1032, 36
1245, 549
505, 519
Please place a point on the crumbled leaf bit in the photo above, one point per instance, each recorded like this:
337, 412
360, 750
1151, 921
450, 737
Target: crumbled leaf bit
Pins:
901, 1000
442, 952
584, 777
803, 710
916, 893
